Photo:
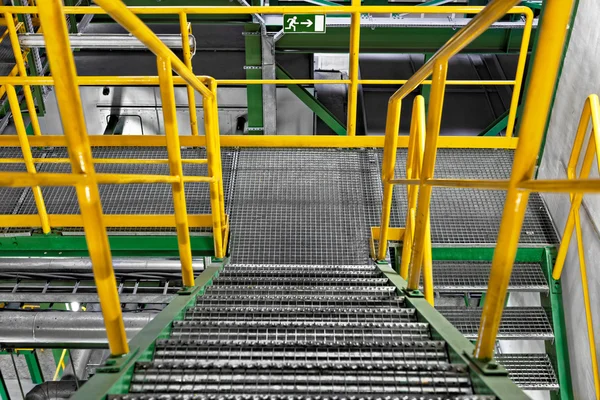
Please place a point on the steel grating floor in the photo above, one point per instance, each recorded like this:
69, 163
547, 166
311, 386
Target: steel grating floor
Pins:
309, 206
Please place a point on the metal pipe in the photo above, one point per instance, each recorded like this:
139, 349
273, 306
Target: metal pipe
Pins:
107, 41
63, 327
76, 368
84, 264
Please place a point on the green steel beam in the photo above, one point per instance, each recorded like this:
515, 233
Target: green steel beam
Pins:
254, 93
494, 380
3, 388
76, 246
499, 124
558, 351
562, 62
115, 376
315, 105
33, 364
399, 40
533, 4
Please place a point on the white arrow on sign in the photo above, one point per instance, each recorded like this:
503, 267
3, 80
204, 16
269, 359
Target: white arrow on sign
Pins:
307, 23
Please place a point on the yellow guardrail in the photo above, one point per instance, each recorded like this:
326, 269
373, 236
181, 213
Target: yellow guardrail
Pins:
83, 176
591, 113
532, 125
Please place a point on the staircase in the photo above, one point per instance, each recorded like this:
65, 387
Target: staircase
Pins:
299, 331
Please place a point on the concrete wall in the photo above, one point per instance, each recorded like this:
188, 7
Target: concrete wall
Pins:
580, 78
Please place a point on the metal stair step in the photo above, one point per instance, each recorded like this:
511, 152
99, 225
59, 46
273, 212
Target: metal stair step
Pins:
251, 280
517, 322
208, 378
348, 315
472, 276
329, 272
285, 268
530, 371
418, 352
245, 331
291, 301
374, 291
222, 396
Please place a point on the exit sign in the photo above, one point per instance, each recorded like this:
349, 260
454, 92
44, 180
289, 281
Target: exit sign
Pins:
303, 23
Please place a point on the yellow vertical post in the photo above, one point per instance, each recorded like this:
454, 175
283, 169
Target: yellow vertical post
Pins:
63, 71
552, 35
27, 156
390, 149
354, 50
213, 154
187, 59
591, 110
523, 51
586, 301
167, 95
14, 41
434, 120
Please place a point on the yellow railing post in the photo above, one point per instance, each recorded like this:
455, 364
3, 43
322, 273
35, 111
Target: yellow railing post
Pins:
20, 63
519, 75
27, 156
434, 120
539, 95
354, 51
187, 59
213, 154
64, 74
591, 112
167, 95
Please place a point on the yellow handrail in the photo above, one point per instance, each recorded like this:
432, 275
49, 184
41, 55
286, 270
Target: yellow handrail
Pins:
544, 72
590, 113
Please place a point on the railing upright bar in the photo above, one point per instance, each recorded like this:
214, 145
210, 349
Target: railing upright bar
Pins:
62, 66
519, 75
167, 95
20, 63
187, 59
213, 153
550, 44
434, 120
27, 156
354, 67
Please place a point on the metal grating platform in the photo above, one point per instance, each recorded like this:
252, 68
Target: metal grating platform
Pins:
517, 322
311, 206
472, 276
530, 371
468, 216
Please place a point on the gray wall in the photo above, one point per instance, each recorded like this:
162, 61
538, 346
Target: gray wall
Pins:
580, 78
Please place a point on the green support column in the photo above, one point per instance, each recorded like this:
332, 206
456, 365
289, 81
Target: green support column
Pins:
558, 351
315, 105
253, 71
3, 389
33, 364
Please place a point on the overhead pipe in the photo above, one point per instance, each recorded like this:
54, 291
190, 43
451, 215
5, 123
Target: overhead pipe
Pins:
107, 41
63, 327
83, 264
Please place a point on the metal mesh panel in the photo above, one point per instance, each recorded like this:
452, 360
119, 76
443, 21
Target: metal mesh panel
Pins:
295, 206
470, 216
7, 58
517, 322
472, 276
530, 371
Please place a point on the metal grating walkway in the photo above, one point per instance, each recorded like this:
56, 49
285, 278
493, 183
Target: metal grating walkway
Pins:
530, 371
517, 322
310, 206
472, 276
